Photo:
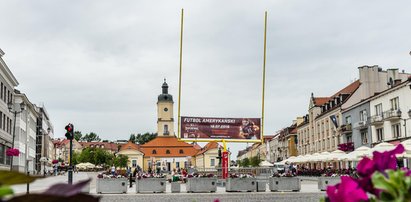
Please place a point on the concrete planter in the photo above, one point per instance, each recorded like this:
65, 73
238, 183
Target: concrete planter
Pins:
240, 184
151, 185
175, 187
323, 182
200, 184
284, 184
261, 186
111, 186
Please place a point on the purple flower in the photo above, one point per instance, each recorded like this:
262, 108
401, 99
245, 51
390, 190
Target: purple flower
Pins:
346, 191
387, 160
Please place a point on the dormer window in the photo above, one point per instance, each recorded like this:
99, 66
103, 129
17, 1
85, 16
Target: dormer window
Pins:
167, 151
181, 151
154, 151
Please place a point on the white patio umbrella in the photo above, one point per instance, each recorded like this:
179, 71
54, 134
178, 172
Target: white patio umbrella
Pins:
382, 147
265, 164
298, 159
305, 158
334, 156
321, 157
313, 157
355, 155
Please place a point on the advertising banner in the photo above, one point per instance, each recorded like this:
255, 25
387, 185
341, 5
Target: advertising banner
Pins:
220, 128
225, 165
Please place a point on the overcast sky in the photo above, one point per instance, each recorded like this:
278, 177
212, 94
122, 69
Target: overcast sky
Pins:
101, 64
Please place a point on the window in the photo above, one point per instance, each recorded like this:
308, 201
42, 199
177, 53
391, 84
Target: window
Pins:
1, 90
378, 109
2, 154
181, 151
134, 163
363, 115
396, 130
395, 103
166, 130
177, 164
212, 162
364, 138
349, 138
348, 120
158, 163
154, 151
380, 134
167, 151
8, 158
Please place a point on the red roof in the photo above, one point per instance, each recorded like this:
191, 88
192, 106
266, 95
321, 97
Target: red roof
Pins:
208, 146
167, 147
103, 145
319, 101
130, 145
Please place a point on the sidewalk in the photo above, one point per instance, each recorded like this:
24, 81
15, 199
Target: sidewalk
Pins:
308, 184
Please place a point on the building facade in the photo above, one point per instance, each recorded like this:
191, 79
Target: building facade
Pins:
7, 84
389, 114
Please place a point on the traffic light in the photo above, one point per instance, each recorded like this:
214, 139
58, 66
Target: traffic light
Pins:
69, 131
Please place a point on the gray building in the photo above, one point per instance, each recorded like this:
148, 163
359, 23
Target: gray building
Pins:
7, 84
356, 128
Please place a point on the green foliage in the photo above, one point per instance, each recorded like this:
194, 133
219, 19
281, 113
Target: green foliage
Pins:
78, 135
5, 191
132, 138
255, 161
96, 156
144, 138
245, 162
395, 187
121, 161
91, 137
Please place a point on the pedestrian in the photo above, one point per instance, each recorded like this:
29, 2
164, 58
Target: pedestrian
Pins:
113, 170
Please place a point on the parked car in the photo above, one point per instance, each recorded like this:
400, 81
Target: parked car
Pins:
279, 167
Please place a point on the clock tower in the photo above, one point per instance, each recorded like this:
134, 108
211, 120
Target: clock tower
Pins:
165, 120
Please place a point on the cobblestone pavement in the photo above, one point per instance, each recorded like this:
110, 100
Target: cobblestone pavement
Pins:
309, 192
226, 197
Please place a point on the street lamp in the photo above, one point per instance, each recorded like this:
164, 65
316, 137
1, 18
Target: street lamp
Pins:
405, 121
10, 105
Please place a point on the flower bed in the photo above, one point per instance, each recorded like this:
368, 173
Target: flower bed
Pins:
201, 183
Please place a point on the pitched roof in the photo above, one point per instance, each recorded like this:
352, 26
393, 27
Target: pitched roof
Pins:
130, 145
348, 89
318, 101
161, 144
103, 145
208, 146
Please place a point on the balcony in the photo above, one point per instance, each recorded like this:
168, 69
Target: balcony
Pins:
392, 115
376, 120
346, 128
361, 125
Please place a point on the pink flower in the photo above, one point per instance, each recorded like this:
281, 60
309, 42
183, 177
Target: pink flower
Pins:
346, 191
12, 152
387, 160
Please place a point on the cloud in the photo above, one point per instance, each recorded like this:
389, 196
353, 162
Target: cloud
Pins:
101, 64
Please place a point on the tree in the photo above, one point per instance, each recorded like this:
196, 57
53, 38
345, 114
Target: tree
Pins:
121, 161
255, 161
146, 137
77, 135
91, 137
245, 162
132, 138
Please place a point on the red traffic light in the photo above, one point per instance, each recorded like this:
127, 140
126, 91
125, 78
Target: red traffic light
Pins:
69, 128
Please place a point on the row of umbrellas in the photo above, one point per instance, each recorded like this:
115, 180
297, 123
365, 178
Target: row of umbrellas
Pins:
355, 155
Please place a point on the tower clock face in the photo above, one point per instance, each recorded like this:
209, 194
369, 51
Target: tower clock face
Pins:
165, 109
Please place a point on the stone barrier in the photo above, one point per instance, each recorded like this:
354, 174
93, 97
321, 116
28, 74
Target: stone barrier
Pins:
240, 184
175, 187
155, 185
111, 186
284, 184
201, 184
323, 182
